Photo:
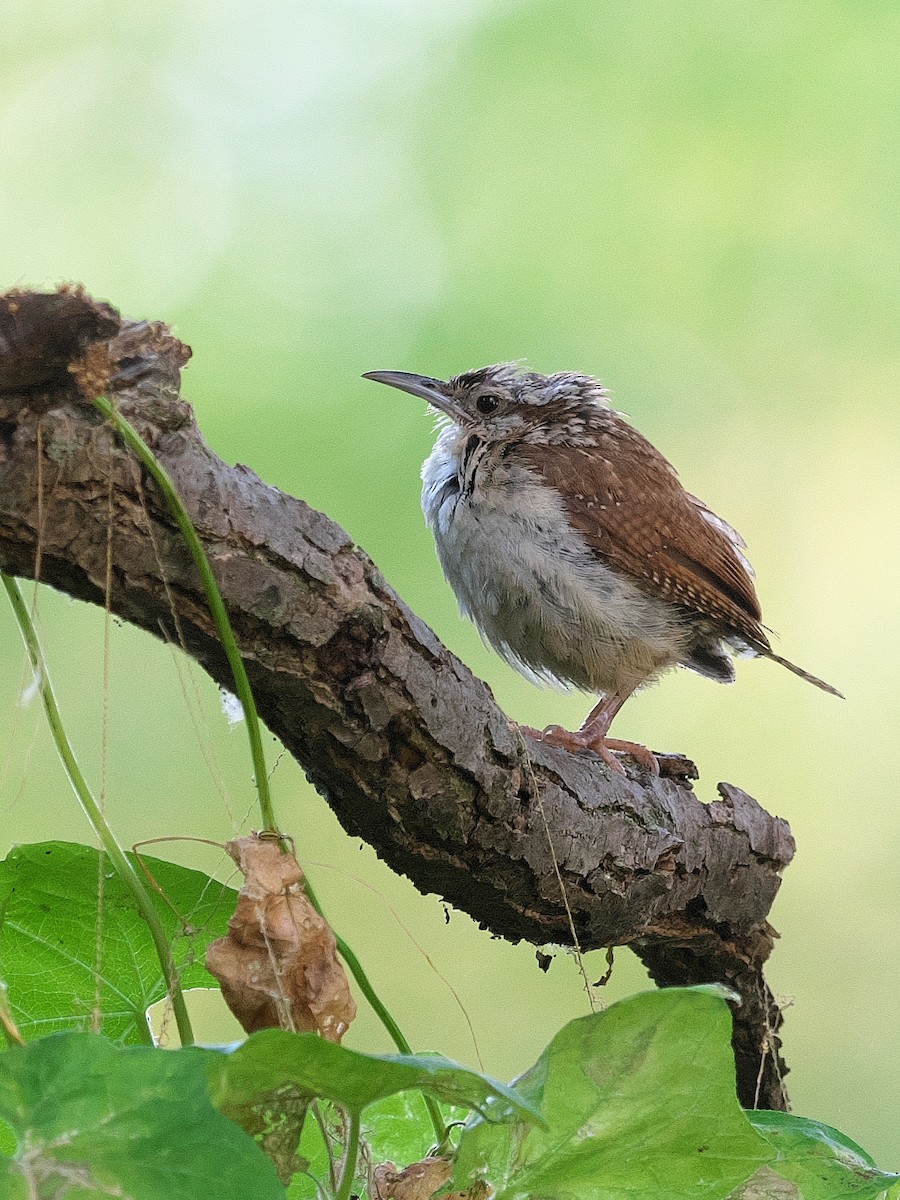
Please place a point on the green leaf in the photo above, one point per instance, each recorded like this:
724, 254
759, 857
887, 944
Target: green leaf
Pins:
50, 919
639, 1102
94, 1118
273, 1058
824, 1164
13, 1185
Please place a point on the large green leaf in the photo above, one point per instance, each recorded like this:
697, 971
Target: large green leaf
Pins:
52, 919
823, 1163
639, 1102
13, 1185
94, 1118
273, 1059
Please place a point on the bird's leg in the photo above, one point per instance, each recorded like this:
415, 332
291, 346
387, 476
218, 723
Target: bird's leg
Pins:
595, 729
593, 736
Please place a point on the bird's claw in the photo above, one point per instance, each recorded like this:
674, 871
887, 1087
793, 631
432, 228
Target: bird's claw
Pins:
639, 753
603, 747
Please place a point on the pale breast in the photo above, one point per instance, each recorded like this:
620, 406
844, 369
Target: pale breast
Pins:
528, 581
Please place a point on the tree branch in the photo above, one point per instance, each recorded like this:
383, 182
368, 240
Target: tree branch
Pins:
408, 748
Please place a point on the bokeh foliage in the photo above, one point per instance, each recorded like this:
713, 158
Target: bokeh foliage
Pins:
697, 203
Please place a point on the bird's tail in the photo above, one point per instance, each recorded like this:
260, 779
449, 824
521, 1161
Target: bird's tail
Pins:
819, 683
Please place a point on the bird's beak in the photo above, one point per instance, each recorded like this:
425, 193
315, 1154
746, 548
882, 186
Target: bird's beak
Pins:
432, 390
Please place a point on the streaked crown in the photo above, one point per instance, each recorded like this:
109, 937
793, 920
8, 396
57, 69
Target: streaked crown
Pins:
503, 400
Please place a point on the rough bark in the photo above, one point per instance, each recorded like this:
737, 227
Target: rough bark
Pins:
409, 749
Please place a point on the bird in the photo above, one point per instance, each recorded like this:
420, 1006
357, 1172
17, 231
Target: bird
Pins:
572, 545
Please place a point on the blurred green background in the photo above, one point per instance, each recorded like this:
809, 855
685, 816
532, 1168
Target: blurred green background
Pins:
696, 202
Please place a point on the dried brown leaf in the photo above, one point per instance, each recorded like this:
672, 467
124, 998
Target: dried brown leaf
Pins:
278, 964
419, 1181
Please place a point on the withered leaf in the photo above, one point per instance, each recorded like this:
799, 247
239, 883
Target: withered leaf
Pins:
419, 1181
278, 965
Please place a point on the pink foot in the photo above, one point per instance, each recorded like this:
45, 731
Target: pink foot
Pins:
603, 747
639, 753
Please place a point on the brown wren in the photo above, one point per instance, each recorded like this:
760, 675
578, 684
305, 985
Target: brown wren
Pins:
570, 542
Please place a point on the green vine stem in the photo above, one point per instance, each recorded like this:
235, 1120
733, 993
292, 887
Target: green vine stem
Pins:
8, 1024
94, 814
350, 1156
244, 693
396, 1033
213, 596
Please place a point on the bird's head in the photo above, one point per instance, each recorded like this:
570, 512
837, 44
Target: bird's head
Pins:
504, 401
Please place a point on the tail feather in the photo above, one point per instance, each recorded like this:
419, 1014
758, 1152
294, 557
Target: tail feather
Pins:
819, 683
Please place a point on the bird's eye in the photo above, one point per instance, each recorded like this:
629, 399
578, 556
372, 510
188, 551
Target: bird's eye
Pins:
487, 403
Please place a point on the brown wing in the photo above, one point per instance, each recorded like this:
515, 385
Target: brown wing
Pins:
625, 499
